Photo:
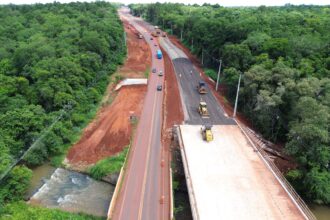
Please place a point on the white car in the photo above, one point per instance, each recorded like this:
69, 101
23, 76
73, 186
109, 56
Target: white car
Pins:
160, 73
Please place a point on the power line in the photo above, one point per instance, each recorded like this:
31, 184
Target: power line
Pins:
65, 109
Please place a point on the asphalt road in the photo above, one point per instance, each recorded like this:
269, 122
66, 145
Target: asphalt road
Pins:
188, 78
144, 185
187, 84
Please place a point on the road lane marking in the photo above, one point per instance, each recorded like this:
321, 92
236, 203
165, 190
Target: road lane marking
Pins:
128, 175
147, 160
149, 145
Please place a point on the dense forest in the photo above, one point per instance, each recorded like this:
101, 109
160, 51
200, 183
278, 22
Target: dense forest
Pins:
284, 56
55, 63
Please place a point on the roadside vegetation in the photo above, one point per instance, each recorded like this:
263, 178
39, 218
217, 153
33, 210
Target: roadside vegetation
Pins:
55, 63
21, 210
108, 165
283, 54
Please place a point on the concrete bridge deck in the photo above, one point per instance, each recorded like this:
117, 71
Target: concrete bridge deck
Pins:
227, 179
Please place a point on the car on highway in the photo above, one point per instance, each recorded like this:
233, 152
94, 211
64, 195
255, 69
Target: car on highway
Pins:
159, 88
151, 38
154, 70
155, 45
160, 73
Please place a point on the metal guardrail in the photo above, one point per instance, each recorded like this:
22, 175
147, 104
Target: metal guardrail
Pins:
301, 205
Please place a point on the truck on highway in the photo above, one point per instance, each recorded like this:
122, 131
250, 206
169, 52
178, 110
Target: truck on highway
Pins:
201, 87
202, 109
154, 34
159, 54
157, 30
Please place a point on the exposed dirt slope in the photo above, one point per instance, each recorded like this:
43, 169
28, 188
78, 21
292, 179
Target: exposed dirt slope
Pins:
111, 130
139, 55
172, 110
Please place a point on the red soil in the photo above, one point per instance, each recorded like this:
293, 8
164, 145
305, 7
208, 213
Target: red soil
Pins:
173, 113
172, 109
139, 54
111, 130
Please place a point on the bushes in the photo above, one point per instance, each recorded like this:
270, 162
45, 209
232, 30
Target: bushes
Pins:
109, 165
55, 56
14, 186
21, 210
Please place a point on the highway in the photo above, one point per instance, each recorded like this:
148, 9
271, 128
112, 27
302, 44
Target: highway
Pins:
188, 78
145, 180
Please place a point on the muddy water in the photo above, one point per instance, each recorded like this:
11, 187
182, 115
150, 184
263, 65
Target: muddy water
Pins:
75, 192
320, 212
40, 175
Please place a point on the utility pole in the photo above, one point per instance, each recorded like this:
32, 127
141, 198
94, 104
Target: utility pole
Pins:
192, 43
125, 38
125, 43
171, 29
239, 83
181, 34
202, 56
218, 78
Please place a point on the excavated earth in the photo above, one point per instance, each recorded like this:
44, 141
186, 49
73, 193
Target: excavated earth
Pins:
111, 130
139, 55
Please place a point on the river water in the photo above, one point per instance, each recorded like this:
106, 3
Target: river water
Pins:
70, 191
321, 212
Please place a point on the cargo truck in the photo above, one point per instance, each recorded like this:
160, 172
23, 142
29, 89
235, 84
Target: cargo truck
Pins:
201, 87
159, 54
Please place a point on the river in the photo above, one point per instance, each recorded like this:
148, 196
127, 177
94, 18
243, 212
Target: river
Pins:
321, 212
69, 191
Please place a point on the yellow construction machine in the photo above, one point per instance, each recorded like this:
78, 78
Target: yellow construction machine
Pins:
207, 133
202, 109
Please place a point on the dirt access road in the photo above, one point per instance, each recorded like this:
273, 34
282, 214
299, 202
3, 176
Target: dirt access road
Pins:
142, 194
111, 129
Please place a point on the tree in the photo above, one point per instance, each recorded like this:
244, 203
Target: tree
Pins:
237, 56
14, 187
309, 144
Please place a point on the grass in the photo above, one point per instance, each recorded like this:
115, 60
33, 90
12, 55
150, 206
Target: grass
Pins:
21, 210
147, 72
211, 73
108, 165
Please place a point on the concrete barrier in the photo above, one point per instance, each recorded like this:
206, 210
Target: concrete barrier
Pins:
131, 81
296, 199
115, 194
191, 193
118, 185
171, 195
